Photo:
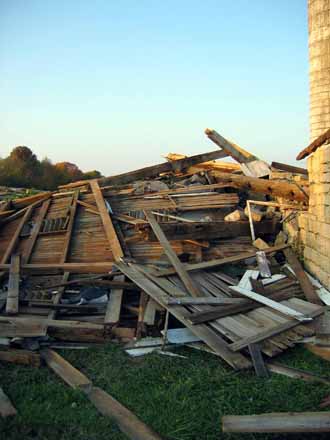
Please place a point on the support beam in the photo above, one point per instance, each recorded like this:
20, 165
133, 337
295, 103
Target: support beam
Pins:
107, 223
171, 255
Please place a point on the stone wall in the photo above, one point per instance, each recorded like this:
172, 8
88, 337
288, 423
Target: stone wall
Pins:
314, 225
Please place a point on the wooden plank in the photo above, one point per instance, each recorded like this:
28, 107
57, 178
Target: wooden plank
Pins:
278, 422
289, 168
112, 314
100, 267
271, 303
258, 362
271, 332
171, 255
127, 422
6, 407
36, 229
304, 281
13, 286
24, 357
318, 142
148, 284
154, 170
22, 211
294, 373
107, 223
207, 300
221, 261
64, 369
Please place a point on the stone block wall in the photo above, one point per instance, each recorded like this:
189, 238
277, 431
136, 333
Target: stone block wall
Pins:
314, 225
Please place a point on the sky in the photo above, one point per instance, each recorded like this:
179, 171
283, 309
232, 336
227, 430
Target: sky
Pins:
116, 85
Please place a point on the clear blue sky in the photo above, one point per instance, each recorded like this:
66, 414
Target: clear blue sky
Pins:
114, 85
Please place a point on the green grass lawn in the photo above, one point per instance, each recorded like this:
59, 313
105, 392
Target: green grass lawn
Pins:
182, 399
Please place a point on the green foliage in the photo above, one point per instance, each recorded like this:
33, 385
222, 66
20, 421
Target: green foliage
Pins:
182, 399
22, 169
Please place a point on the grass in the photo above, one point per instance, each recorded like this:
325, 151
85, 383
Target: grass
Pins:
182, 399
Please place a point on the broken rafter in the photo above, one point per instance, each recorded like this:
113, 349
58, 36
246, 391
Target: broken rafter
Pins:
318, 142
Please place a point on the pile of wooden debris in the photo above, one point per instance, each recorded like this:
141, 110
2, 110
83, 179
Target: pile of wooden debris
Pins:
189, 251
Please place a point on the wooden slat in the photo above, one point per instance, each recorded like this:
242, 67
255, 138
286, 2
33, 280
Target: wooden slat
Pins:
271, 332
107, 223
13, 286
36, 229
171, 255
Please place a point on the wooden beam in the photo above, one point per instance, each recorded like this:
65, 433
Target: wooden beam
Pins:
278, 422
24, 357
271, 303
154, 170
112, 314
233, 150
289, 168
107, 223
219, 262
127, 422
171, 255
13, 286
6, 407
35, 231
100, 267
305, 283
322, 139
275, 188
258, 362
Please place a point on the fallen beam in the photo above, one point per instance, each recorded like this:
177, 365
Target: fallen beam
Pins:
289, 168
314, 145
278, 422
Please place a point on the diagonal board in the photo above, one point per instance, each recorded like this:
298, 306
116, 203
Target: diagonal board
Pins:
171, 255
106, 220
204, 332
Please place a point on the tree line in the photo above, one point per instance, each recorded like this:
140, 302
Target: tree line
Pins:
22, 169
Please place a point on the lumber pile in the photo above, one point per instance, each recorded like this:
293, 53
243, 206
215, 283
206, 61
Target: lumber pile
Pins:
185, 250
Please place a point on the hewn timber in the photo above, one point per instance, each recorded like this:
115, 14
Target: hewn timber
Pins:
274, 188
314, 145
154, 170
109, 229
233, 150
24, 357
278, 422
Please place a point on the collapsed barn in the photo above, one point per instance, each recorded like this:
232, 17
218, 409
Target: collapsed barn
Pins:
193, 250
